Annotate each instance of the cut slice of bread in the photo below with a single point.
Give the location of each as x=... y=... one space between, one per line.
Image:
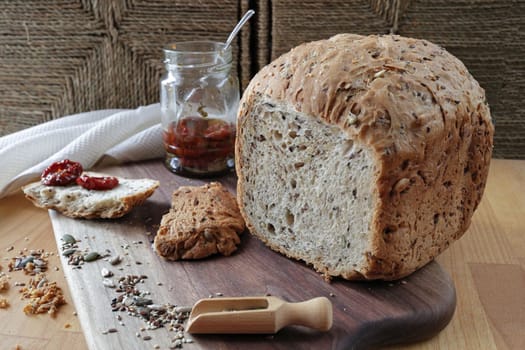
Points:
x=77 y=202
x=202 y=221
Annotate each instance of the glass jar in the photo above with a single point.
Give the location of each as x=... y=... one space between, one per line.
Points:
x=199 y=100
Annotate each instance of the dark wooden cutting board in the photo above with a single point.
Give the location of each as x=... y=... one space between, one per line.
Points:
x=366 y=314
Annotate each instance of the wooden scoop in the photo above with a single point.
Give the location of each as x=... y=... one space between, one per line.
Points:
x=258 y=315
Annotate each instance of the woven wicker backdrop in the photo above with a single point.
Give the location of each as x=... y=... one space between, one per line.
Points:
x=66 y=56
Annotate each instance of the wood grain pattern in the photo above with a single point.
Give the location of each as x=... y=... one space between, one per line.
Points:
x=365 y=314
x=494 y=238
x=22 y=227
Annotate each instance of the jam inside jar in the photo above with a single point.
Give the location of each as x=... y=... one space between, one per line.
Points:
x=200 y=146
x=199 y=100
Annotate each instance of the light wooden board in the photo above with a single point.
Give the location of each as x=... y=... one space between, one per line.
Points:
x=365 y=314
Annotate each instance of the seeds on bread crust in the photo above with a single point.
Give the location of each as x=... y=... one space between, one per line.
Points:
x=202 y=221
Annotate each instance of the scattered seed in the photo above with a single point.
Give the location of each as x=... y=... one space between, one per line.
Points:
x=92 y=256
x=115 y=260
x=112 y=330
x=146 y=337
x=68 y=252
x=68 y=239
x=182 y=309
x=23 y=262
x=10 y=249
x=179 y=335
x=380 y=73
x=105 y=272
x=142 y=301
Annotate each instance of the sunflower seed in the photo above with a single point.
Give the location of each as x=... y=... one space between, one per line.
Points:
x=182 y=309
x=108 y=283
x=115 y=260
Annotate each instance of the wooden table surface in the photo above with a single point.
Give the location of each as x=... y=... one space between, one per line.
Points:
x=487 y=266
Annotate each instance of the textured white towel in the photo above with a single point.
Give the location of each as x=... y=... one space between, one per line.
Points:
x=123 y=135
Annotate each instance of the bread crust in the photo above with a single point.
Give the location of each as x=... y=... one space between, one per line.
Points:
x=202 y=221
x=424 y=117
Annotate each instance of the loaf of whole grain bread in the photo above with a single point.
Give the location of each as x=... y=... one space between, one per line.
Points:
x=364 y=156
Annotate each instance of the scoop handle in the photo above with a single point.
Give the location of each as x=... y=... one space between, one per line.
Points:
x=315 y=313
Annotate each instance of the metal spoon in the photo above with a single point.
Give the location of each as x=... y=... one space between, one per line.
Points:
x=238 y=27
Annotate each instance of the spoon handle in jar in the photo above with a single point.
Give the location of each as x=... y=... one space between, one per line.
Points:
x=238 y=27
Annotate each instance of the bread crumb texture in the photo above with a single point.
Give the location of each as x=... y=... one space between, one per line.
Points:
x=364 y=156
x=78 y=202
x=203 y=220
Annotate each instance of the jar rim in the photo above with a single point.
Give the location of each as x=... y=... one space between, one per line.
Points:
x=182 y=46
x=197 y=53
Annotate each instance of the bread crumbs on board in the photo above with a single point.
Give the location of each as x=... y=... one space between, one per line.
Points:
x=44 y=296
x=4 y=282
x=4 y=303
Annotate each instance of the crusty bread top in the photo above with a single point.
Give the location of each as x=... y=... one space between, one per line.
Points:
x=383 y=90
x=418 y=108
x=77 y=202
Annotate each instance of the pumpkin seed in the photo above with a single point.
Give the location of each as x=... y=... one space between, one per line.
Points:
x=68 y=239
x=92 y=256
x=68 y=252
x=22 y=262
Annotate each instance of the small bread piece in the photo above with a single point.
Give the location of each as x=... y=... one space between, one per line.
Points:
x=77 y=202
x=202 y=221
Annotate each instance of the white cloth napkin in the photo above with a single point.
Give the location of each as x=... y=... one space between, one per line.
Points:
x=119 y=135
